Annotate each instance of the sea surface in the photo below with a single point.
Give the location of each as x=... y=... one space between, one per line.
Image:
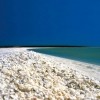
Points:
x=84 y=54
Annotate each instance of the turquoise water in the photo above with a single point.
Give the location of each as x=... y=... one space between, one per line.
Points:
x=84 y=54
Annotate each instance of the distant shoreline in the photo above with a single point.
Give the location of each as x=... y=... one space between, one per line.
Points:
x=91 y=70
x=82 y=54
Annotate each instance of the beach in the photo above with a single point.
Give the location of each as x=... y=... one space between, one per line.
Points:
x=27 y=75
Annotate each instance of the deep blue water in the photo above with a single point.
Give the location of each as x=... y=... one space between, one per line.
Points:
x=85 y=54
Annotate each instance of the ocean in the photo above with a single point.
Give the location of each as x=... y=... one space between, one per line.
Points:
x=85 y=54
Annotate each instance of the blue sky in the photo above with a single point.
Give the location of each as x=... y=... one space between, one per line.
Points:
x=50 y=22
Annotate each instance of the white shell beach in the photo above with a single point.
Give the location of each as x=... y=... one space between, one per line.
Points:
x=27 y=75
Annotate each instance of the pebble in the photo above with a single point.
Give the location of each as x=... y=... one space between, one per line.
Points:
x=27 y=75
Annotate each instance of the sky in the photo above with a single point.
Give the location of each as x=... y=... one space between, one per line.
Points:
x=50 y=22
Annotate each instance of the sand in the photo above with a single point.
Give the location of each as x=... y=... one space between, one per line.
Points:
x=27 y=75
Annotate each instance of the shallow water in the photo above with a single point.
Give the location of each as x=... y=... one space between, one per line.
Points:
x=84 y=54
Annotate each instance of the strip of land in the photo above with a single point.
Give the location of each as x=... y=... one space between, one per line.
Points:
x=27 y=75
